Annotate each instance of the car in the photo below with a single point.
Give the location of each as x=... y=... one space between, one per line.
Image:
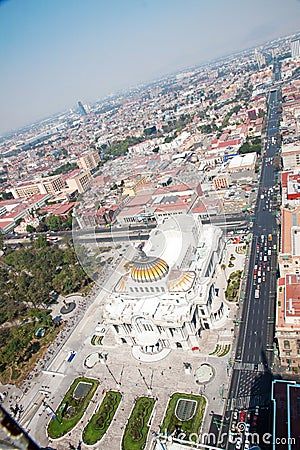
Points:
x=254 y=421
x=233 y=426
x=242 y=416
x=256 y=412
x=255 y=367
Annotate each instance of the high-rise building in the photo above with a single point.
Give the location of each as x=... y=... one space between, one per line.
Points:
x=79 y=180
x=295 y=48
x=89 y=160
x=82 y=110
x=47 y=185
x=260 y=59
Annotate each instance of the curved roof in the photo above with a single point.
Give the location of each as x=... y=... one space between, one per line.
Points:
x=181 y=281
x=148 y=269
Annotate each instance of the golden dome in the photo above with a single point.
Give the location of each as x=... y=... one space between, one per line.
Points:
x=149 y=269
x=181 y=281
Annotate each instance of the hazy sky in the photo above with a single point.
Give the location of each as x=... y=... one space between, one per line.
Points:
x=56 y=52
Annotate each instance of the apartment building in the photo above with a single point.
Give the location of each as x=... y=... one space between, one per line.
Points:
x=78 y=180
x=289 y=255
x=288 y=321
x=291 y=156
x=48 y=185
x=89 y=160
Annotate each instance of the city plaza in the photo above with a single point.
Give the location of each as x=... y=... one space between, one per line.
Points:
x=184 y=311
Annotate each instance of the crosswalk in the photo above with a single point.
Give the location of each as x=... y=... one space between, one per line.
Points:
x=249 y=366
x=251 y=386
x=247 y=402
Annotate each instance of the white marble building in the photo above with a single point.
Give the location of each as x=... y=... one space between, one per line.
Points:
x=167 y=297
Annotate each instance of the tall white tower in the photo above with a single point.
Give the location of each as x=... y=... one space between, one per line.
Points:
x=295 y=48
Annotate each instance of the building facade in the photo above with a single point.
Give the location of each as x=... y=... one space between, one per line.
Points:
x=288 y=321
x=79 y=180
x=167 y=296
x=48 y=185
x=291 y=156
x=295 y=48
x=89 y=160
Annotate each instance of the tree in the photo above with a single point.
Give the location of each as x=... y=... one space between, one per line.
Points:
x=6 y=195
x=248 y=147
x=65 y=168
x=41 y=242
x=54 y=222
x=42 y=227
x=30 y=229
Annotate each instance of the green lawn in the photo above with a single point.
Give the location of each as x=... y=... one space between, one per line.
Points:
x=170 y=421
x=135 y=434
x=71 y=410
x=100 y=421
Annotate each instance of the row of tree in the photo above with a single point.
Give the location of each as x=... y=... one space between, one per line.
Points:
x=29 y=275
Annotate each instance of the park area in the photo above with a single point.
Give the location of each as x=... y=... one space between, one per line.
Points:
x=233 y=286
x=135 y=434
x=184 y=414
x=72 y=407
x=101 y=420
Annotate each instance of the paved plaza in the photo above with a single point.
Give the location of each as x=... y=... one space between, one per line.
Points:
x=119 y=370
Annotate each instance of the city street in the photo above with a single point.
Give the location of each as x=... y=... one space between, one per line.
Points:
x=252 y=374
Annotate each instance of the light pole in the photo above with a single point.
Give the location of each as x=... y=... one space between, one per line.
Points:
x=112 y=375
x=144 y=380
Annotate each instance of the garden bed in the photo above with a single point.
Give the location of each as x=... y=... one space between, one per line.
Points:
x=96 y=340
x=71 y=408
x=135 y=434
x=172 y=424
x=100 y=421
x=233 y=286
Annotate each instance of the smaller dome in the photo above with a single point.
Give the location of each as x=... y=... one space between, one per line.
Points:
x=181 y=281
x=149 y=269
